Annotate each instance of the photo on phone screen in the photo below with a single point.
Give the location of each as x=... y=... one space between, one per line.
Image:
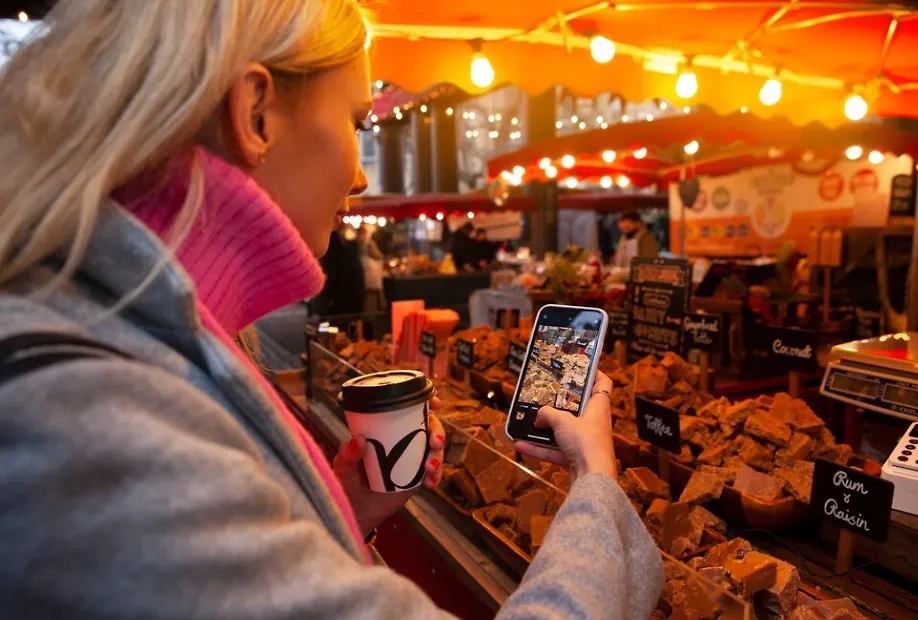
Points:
x=558 y=370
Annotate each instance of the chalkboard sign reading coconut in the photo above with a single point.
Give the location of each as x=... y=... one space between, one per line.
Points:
x=792 y=349
x=659 y=294
x=852 y=499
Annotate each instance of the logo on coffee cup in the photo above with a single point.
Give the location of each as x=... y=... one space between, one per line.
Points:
x=388 y=460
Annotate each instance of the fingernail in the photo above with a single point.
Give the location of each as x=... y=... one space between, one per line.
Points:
x=441 y=438
x=355 y=445
x=435 y=463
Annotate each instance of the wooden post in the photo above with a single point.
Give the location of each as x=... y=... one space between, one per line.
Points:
x=844 y=558
x=663 y=464
x=358 y=327
x=621 y=353
x=508 y=319
x=793 y=383
x=704 y=361
x=826 y=295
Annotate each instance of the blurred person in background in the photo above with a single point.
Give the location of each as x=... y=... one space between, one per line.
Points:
x=486 y=251
x=346 y=292
x=172 y=173
x=636 y=241
x=371 y=260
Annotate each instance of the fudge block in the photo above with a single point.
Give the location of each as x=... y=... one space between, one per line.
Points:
x=805 y=421
x=735 y=415
x=779 y=597
x=685 y=456
x=462 y=483
x=702 y=488
x=562 y=480
x=797 y=483
x=654 y=514
x=472 y=450
x=499 y=514
x=756 y=484
x=840 y=454
x=538 y=528
x=768 y=429
x=751 y=573
x=676 y=367
x=714 y=573
x=696 y=563
x=727 y=474
x=755 y=454
x=494 y=481
x=694 y=431
x=529 y=505
x=678 y=524
x=650 y=380
x=800 y=447
x=708 y=519
x=715 y=453
x=726 y=551
x=714 y=409
x=500 y=441
x=626 y=428
x=645 y=486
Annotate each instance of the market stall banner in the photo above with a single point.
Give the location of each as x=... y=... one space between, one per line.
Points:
x=753 y=212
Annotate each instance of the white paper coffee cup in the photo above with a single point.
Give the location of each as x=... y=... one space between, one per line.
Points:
x=390 y=410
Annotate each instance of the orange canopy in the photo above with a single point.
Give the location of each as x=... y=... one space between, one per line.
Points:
x=822 y=50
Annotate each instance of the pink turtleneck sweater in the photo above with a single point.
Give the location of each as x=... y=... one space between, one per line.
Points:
x=246 y=260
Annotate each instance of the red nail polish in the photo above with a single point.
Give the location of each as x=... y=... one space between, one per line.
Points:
x=355 y=445
x=441 y=438
x=435 y=463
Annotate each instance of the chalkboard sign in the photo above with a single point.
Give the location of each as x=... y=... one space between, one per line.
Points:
x=515 y=358
x=867 y=323
x=658 y=425
x=702 y=332
x=557 y=366
x=852 y=499
x=618 y=325
x=502 y=317
x=428 y=344
x=791 y=349
x=465 y=353
x=902 y=196
x=659 y=294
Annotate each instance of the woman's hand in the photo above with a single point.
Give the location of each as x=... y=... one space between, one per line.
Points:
x=373 y=508
x=584 y=442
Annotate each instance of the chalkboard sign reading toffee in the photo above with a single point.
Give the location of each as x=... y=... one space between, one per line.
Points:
x=852 y=499
x=658 y=425
x=465 y=353
x=659 y=294
x=428 y=344
x=515 y=358
x=792 y=349
x=702 y=332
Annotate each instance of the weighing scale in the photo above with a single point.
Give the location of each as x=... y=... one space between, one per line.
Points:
x=881 y=374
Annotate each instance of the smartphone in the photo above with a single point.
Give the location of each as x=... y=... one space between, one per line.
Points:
x=559 y=368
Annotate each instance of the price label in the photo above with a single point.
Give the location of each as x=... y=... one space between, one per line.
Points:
x=515 y=358
x=852 y=500
x=658 y=425
x=465 y=353
x=702 y=332
x=428 y=345
x=792 y=349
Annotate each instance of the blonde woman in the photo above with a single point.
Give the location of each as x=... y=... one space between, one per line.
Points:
x=172 y=169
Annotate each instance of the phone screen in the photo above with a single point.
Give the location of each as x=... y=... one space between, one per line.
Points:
x=560 y=362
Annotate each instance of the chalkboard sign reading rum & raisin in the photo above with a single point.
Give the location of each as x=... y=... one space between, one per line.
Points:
x=658 y=425
x=515 y=358
x=659 y=294
x=852 y=499
x=465 y=353
x=702 y=332
x=792 y=349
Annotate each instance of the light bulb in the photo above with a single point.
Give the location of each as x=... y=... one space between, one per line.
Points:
x=855 y=108
x=482 y=72
x=771 y=91
x=744 y=109
x=687 y=84
x=567 y=161
x=514 y=121
x=471 y=215
x=691 y=148
x=623 y=181
x=23 y=16
x=571 y=182
x=371 y=220
x=875 y=157
x=854 y=152
x=559 y=124
x=608 y=156
x=606 y=182
x=381 y=222
x=422 y=217
x=376 y=129
x=551 y=172
x=518 y=171
x=440 y=217
x=449 y=111
x=424 y=108
x=602 y=49
x=641 y=153
x=544 y=163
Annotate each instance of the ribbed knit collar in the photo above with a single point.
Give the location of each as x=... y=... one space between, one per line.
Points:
x=242 y=252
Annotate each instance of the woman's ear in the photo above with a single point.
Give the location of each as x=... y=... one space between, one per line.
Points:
x=251 y=122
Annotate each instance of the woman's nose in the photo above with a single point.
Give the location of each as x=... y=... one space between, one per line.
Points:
x=361 y=183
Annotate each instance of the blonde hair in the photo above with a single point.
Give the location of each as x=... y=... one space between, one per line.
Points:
x=115 y=89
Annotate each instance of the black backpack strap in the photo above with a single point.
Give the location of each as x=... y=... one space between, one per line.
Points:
x=24 y=353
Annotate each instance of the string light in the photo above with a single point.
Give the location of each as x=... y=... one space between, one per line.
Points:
x=379 y=83
x=514 y=121
x=854 y=152
x=506 y=175
x=602 y=49
x=663 y=105
x=482 y=72
x=398 y=115
x=771 y=92
x=449 y=111
x=691 y=148
x=875 y=157
x=575 y=119
x=518 y=171
x=582 y=125
x=491 y=118
x=650 y=118
x=498 y=116
x=686 y=109
x=604 y=126
x=471 y=215
x=422 y=217
x=606 y=182
x=567 y=161
x=641 y=153
x=440 y=217
x=381 y=222
x=687 y=84
x=423 y=108
x=625 y=118
x=571 y=182
x=608 y=156
x=376 y=129
x=493 y=134
x=23 y=16
x=855 y=108
x=559 y=124
x=371 y=220
x=374 y=118
x=551 y=172
x=544 y=163
x=744 y=109
x=623 y=181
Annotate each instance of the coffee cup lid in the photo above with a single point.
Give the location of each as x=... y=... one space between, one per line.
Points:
x=385 y=391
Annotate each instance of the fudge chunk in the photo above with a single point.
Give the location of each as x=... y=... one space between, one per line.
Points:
x=678 y=524
x=702 y=488
x=715 y=453
x=694 y=431
x=797 y=483
x=458 y=480
x=538 y=528
x=654 y=514
x=755 y=454
x=714 y=573
x=727 y=474
x=500 y=441
x=768 y=429
x=805 y=421
x=756 y=484
x=645 y=485
x=472 y=450
x=779 y=597
x=494 y=482
x=531 y=504
x=650 y=380
x=708 y=519
x=726 y=551
x=752 y=573
x=799 y=448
